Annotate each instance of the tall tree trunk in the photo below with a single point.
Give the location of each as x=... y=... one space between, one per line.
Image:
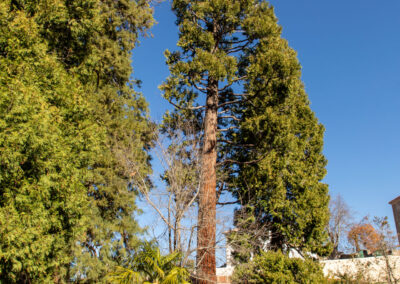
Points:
x=206 y=264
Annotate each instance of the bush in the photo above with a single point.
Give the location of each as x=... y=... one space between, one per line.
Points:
x=148 y=265
x=276 y=267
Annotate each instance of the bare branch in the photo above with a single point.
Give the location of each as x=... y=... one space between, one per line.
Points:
x=228 y=203
x=240 y=95
x=231 y=83
x=235 y=42
x=235 y=144
x=145 y=194
x=227 y=129
x=230 y=117
x=187 y=108
x=237 y=48
x=201 y=89
x=227 y=161
x=229 y=103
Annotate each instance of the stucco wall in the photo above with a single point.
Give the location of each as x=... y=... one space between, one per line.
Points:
x=370 y=269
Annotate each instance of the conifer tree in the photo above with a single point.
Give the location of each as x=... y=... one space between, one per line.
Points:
x=255 y=120
x=47 y=143
x=97 y=48
x=278 y=178
x=89 y=42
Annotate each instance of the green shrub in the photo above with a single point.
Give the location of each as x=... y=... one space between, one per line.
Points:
x=148 y=266
x=276 y=267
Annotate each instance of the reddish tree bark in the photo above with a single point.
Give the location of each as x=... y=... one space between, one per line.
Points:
x=206 y=264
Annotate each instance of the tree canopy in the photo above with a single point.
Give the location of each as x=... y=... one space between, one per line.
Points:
x=72 y=130
x=75 y=135
x=47 y=142
x=240 y=81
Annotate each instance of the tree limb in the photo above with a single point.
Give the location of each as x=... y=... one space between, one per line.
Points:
x=230 y=116
x=187 y=108
x=227 y=129
x=230 y=84
x=235 y=144
x=243 y=163
x=228 y=203
x=228 y=103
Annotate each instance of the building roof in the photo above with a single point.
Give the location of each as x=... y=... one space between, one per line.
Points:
x=397 y=199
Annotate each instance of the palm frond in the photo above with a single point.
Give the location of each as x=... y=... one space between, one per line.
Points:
x=124 y=275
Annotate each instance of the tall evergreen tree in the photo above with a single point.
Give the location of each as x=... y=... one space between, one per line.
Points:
x=97 y=48
x=278 y=178
x=256 y=117
x=47 y=142
x=90 y=42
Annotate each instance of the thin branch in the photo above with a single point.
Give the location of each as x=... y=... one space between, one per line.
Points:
x=228 y=203
x=233 y=81
x=229 y=103
x=188 y=250
x=223 y=111
x=235 y=42
x=243 y=163
x=235 y=144
x=201 y=89
x=237 y=48
x=187 y=108
x=231 y=117
x=240 y=95
x=144 y=192
x=226 y=129
x=196 y=15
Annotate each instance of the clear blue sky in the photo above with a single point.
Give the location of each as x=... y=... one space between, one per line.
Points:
x=350 y=54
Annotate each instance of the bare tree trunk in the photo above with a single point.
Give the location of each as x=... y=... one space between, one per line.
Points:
x=177 y=235
x=206 y=264
x=169 y=229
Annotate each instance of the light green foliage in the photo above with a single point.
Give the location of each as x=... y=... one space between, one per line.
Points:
x=271 y=146
x=73 y=134
x=105 y=70
x=94 y=39
x=148 y=266
x=276 y=267
x=47 y=142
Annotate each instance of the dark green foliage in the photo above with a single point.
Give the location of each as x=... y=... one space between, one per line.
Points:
x=105 y=70
x=269 y=141
x=276 y=267
x=278 y=176
x=72 y=134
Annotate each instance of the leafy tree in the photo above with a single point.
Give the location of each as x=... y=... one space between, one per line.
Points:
x=93 y=39
x=47 y=142
x=148 y=265
x=89 y=44
x=256 y=122
x=276 y=267
x=364 y=236
x=277 y=176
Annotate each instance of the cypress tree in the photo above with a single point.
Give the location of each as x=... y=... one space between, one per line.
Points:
x=89 y=44
x=97 y=47
x=47 y=143
x=278 y=179
x=232 y=53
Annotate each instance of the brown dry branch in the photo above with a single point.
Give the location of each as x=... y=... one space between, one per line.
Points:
x=178 y=152
x=339 y=223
